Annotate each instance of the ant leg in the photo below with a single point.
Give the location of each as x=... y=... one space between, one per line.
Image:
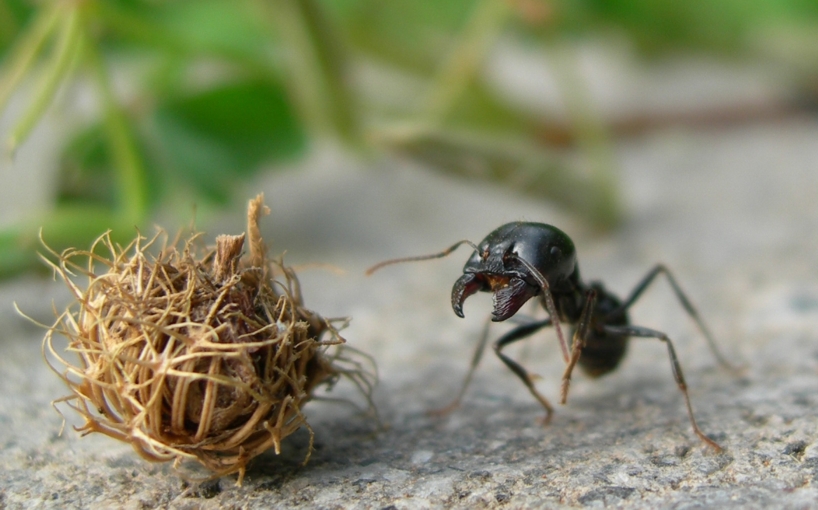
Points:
x=512 y=336
x=578 y=342
x=686 y=304
x=638 y=331
x=476 y=357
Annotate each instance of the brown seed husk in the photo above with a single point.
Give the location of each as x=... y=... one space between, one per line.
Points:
x=208 y=358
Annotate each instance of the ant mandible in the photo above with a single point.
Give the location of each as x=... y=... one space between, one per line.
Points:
x=524 y=260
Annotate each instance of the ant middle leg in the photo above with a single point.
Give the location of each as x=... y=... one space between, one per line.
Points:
x=512 y=336
x=686 y=304
x=642 y=332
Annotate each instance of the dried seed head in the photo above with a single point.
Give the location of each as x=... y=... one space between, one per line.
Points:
x=208 y=358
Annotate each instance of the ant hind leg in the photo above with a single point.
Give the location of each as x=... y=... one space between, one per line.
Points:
x=642 y=332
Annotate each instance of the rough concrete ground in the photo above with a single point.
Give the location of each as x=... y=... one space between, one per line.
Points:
x=732 y=212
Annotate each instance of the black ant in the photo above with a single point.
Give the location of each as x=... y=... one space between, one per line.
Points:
x=523 y=260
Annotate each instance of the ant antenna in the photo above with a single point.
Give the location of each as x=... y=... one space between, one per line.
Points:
x=420 y=257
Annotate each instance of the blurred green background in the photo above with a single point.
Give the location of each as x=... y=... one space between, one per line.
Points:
x=194 y=98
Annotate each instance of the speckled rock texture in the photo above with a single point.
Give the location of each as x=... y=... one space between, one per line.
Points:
x=734 y=214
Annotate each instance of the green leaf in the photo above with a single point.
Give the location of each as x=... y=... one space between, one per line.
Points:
x=198 y=26
x=14 y=14
x=211 y=139
x=481 y=109
x=86 y=173
x=712 y=25
x=233 y=26
x=85 y=170
x=72 y=226
x=509 y=161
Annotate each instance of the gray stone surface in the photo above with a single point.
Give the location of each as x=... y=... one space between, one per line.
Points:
x=732 y=212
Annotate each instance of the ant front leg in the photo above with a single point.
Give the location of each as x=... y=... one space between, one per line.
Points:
x=578 y=342
x=475 y=360
x=525 y=330
x=512 y=336
x=638 y=331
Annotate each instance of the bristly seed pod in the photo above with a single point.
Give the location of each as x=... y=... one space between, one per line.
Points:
x=208 y=358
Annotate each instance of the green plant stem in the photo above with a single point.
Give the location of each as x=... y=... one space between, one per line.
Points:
x=315 y=67
x=26 y=49
x=481 y=31
x=68 y=44
x=131 y=185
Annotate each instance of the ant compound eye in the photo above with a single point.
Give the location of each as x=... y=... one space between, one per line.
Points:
x=556 y=252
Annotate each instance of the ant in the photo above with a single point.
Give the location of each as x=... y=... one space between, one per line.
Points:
x=524 y=260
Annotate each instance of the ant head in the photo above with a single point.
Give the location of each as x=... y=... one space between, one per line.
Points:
x=517 y=262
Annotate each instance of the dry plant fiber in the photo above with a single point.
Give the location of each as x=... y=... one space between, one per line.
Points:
x=208 y=359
